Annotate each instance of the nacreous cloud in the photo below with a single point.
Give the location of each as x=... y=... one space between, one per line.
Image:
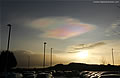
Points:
x=61 y=27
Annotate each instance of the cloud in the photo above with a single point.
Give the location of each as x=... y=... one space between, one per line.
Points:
x=36 y=59
x=61 y=27
x=97 y=51
x=68 y=31
x=77 y=48
x=23 y=55
x=43 y=22
x=92 y=45
x=113 y=29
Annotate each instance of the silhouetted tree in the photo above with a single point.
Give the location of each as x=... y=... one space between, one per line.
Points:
x=7 y=60
x=104 y=61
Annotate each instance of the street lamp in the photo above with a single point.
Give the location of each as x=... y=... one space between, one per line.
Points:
x=51 y=57
x=9 y=25
x=44 y=55
x=6 y=74
x=112 y=56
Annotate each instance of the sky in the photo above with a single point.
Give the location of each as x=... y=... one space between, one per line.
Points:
x=80 y=31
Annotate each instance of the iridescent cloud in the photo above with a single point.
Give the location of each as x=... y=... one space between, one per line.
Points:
x=61 y=27
x=68 y=31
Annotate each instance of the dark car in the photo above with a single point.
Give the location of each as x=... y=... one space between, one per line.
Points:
x=110 y=76
x=44 y=75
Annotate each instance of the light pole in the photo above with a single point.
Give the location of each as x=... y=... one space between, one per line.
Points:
x=44 y=55
x=112 y=56
x=6 y=74
x=51 y=57
x=9 y=25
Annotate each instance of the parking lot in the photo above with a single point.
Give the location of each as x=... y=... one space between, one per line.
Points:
x=100 y=74
x=62 y=74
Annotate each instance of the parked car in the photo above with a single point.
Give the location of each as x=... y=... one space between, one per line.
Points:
x=107 y=74
x=110 y=76
x=28 y=75
x=83 y=73
x=8 y=74
x=44 y=75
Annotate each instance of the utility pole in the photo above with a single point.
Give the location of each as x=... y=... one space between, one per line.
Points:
x=44 y=55
x=112 y=56
x=51 y=58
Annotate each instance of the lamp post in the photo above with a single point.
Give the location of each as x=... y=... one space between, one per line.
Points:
x=9 y=25
x=44 y=55
x=51 y=57
x=6 y=66
x=112 y=56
